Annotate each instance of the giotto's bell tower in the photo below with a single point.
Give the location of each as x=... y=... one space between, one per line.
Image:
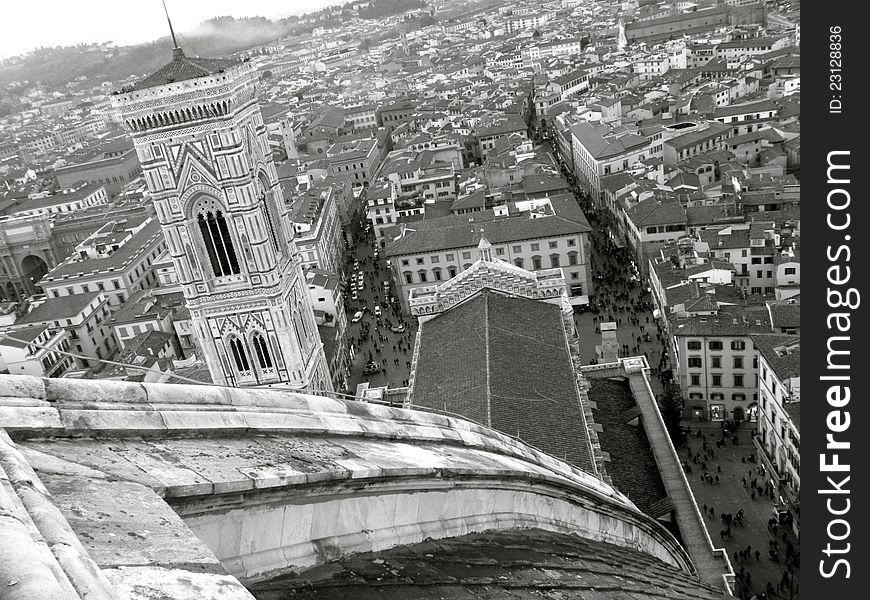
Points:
x=202 y=144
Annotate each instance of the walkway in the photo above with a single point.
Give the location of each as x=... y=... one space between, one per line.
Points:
x=711 y=563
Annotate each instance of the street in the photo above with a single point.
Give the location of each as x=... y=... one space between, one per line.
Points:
x=371 y=336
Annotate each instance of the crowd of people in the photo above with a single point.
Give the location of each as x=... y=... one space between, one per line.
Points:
x=621 y=296
x=781 y=549
x=374 y=339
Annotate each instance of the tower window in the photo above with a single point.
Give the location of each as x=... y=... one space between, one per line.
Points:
x=268 y=206
x=262 y=350
x=218 y=243
x=240 y=356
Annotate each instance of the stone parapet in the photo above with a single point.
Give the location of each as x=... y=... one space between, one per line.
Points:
x=152 y=486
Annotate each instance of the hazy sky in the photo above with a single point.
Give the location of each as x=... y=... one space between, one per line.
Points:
x=29 y=24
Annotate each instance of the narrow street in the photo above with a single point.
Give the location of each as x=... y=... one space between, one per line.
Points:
x=372 y=336
x=620 y=296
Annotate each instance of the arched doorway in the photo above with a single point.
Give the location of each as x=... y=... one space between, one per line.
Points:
x=33 y=269
x=11 y=293
x=739 y=414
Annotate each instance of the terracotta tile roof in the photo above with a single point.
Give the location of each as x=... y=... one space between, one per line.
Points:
x=503 y=362
x=463 y=231
x=773 y=346
x=632 y=466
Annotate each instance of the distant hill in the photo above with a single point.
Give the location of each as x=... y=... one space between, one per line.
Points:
x=381 y=9
x=217 y=37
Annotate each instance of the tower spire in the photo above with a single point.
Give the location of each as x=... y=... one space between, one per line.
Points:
x=175 y=48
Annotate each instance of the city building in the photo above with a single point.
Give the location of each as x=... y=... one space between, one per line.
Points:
x=116 y=259
x=85 y=318
x=317 y=228
x=112 y=164
x=540 y=234
x=779 y=425
x=598 y=151
x=37 y=350
x=716 y=364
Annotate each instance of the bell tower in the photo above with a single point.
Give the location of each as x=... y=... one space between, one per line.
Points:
x=204 y=153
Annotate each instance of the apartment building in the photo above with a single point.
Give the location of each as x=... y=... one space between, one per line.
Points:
x=317 y=229
x=85 y=317
x=779 y=425
x=116 y=260
x=542 y=234
x=37 y=350
x=598 y=151
x=716 y=364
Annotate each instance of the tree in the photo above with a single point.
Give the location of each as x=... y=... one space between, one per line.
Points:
x=671 y=406
x=536 y=33
x=365 y=45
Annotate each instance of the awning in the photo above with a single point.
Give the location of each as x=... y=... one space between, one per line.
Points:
x=579 y=300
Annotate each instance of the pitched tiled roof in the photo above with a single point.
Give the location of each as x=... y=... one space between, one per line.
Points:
x=632 y=466
x=600 y=147
x=54 y=309
x=654 y=212
x=785 y=314
x=784 y=364
x=184 y=67
x=25 y=334
x=499 y=565
x=503 y=362
x=463 y=231
x=722 y=324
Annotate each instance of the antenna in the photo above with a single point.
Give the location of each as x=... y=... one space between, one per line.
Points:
x=171 y=31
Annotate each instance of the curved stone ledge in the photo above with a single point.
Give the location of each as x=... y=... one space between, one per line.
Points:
x=272 y=480
x=259 y=540
x=116 y=409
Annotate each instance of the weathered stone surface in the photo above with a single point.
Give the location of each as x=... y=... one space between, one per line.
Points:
x=22 y=386
x=153 y=583
x=41 y=419
x=124 y=523
x=84 y=390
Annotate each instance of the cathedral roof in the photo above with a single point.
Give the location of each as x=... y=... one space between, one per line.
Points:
x=184 y=67
x=500 y=565
x=498 y=359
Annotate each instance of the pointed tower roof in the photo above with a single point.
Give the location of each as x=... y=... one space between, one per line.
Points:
x=484 y=248
x=184 y=67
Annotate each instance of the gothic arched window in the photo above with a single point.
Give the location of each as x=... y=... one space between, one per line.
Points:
x=240 y=355
x=262 y=349
x=217 y=241
x=267 y=203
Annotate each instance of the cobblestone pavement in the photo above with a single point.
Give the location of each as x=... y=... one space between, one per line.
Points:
x=731 y=463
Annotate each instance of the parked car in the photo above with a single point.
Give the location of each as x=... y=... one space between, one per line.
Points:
x=371 y=368
x=354 y=295
x=357 y=316
x=377 y=310
x=398 y=329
